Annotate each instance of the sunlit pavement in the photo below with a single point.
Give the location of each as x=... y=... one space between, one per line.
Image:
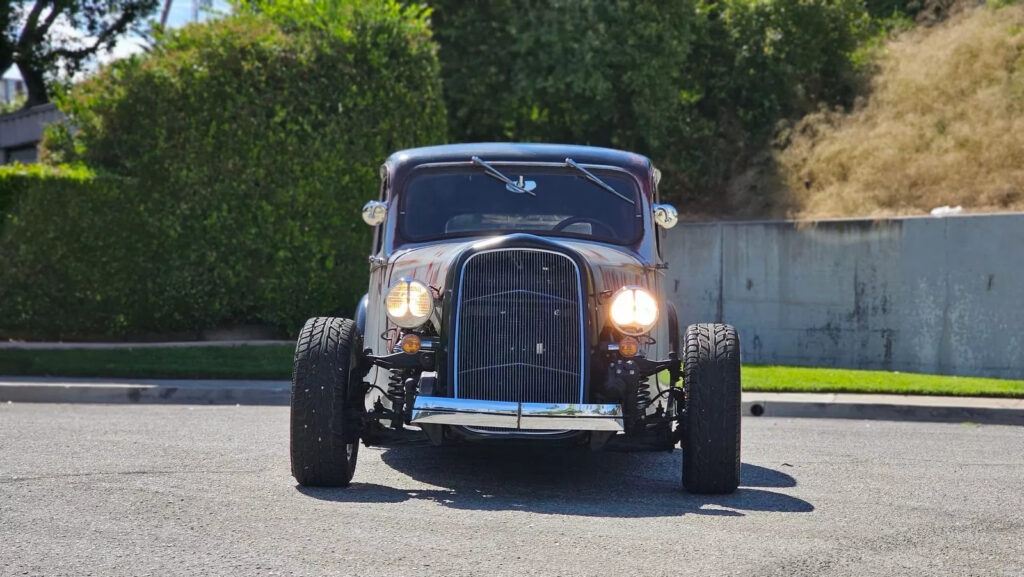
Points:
x=186 y=490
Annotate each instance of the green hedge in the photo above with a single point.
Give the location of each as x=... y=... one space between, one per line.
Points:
x=246 y=147
x=66 y=252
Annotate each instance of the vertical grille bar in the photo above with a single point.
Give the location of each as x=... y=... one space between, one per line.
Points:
x=518 y=332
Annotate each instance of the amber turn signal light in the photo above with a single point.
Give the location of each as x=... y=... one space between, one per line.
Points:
x=629 y=347
x=411 y=344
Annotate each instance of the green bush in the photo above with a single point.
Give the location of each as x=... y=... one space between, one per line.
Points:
x=17 y=179
x=760 y=62
x=10 y=188
x=694 y=85
x=248 y=145
x=778 y=58
x=68 y=252
x=587 y=71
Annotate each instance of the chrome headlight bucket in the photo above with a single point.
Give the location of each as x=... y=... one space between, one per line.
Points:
x=409 y=303
x=634 y=310
x=375 y=212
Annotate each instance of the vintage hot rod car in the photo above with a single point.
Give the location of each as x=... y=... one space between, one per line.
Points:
x=517 y=294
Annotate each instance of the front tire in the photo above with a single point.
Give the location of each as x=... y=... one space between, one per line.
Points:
x=324 y=438
x=711 y=435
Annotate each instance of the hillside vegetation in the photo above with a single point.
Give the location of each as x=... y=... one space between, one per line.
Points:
x=943 y=124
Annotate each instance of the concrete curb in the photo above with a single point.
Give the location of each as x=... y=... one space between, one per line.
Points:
x=986 y=410
x=995 y=411
x=144 y=391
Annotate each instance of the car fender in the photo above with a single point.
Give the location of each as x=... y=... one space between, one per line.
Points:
x=361 y=315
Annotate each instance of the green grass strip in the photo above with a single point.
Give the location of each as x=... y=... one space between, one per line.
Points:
x=808 y=380
x=242 y=362
x=275 y=362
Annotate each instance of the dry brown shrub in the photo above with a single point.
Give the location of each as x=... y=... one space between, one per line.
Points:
x=944 y=125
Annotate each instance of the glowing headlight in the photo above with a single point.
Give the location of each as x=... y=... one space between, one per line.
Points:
x=409 y=303
x=634 y=310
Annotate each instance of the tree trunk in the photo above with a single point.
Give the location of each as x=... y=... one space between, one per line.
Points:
x=35 y=84
x=165 y=13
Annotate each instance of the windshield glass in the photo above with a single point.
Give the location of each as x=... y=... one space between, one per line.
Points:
x=438 y=205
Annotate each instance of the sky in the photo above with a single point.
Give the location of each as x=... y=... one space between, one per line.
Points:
x=180 y=14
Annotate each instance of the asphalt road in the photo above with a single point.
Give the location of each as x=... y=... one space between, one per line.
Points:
x=180 y=490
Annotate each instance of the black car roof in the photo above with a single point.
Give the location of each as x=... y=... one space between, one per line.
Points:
x=403 y=160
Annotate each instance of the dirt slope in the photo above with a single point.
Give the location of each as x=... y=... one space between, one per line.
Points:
x=943 y=125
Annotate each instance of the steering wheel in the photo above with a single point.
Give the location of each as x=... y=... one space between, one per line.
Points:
x=578 y=219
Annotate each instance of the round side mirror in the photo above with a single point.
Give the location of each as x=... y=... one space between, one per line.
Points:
x=665 y=215
x=374 y=212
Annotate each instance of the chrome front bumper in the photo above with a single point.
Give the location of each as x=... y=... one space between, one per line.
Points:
x=522 y=416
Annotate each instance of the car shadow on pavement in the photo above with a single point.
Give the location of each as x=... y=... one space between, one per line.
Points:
x=564 y=482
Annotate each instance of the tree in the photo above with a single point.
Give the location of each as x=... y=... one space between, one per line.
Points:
x=43 y=37
x=601 y=72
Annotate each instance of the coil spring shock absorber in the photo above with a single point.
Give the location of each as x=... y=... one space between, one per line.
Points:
x=643 y=397
x=396 y=394
x=636 y=394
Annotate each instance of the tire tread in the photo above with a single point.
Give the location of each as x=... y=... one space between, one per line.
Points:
x=711 y=437
x=322 y=366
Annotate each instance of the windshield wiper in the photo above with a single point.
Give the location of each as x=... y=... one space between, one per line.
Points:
x=594 y=178
x=495 y=173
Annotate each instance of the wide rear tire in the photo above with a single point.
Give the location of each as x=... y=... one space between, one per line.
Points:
x=324 y=441
x=711 y=431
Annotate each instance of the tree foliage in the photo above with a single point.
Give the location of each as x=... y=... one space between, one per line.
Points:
x=44 y=37
x=759 y=62
x=583 y=71
x=693 y=85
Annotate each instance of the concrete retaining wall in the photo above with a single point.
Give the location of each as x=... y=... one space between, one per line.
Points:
x=931 y=295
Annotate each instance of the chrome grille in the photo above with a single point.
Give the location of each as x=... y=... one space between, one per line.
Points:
x=518 y=331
